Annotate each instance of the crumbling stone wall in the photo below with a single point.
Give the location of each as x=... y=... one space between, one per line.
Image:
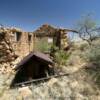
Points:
x=14 y=41
x=56 y=36
x=21 y=43
x=61 y=39
x=25 y=45
x=6 y=50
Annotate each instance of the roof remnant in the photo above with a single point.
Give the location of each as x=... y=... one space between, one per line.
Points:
x=47 y=30
x=37 y=55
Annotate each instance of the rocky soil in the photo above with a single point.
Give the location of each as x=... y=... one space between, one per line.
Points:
x=76 y=86
x=73 y=87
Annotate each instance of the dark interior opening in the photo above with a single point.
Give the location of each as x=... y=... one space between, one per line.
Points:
x=2 y=36
x=33 y=69
x=29 y=37
x=18 y=36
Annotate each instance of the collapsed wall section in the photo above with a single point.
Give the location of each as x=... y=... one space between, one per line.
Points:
x=24 y=45
x=7 y=53
x=15 y=42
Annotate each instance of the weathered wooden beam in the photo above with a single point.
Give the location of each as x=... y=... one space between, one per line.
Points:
x=41 y=79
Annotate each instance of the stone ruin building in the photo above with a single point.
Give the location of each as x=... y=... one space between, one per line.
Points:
x=14 y=41
x=22 y=42
x=52 y=36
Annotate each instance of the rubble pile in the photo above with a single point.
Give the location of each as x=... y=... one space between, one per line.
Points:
x=8 y=67
x=7 y=54
x=6 y=51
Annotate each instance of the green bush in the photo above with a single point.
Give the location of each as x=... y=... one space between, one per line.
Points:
x=93 y=59
x=42 y=45
x=83 y=47
x=61 y=57
x=93 y=55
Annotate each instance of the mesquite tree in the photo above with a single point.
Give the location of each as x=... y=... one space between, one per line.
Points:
x=87 y=29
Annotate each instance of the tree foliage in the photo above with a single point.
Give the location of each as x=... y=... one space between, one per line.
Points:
x=87 y=29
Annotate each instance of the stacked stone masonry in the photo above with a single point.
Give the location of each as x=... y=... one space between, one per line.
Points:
x=22 y=43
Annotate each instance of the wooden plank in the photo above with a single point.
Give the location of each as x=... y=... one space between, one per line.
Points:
x=41 y=79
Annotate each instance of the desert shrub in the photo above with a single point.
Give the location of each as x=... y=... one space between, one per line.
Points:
x=53 y=50
x=61 y=57
x=94 y=72
x=83 y=47
x=92 y=56
x=42 y=46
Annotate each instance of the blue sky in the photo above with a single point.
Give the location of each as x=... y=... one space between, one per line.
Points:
x=30 y=14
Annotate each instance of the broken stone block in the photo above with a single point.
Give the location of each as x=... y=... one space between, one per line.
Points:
x=52 y=81
x=25 y=92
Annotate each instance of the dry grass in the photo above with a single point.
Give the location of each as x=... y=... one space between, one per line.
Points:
x=79 y=85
